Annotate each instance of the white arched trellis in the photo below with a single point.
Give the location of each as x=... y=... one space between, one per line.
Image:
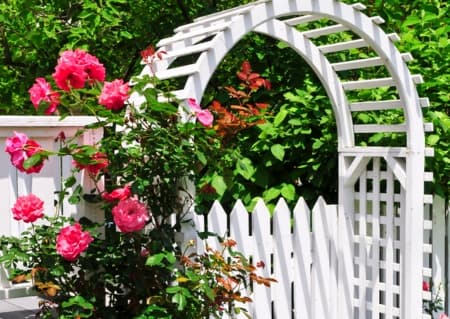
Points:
x=381 y=189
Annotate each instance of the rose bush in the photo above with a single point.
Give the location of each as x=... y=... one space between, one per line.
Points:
x=130 y=265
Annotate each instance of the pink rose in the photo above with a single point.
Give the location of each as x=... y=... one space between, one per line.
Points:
x=75 y=67
x=99 y=162
x=425 y=286
x=20 y=148
x=118 y=194
x=114 y=94
x=72 y=241
x=28 y=208
x=95 y=71
x=443 y=316
x=69 y=76
x=41 y=91
x=130 y=215
x=205 y=117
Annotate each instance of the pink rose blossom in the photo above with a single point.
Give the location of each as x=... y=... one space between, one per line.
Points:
x=114 y=95
x=69 y=76
x=28 y=208
x=443 y=316
x=41 y=91
x=130 y=215
x=118 y=194
x=75 y=67
x=425 y=286
x=72 y=241
x=91 y=65
x=205 y=117
x=20 y=148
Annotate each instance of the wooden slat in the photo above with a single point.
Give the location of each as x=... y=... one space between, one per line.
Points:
x=311 y=34
x=374 y=83
x=353 y=44
x=179 y=95
x=302 y=260
x=217 y=224
x=310 y=18
x=324 y=31
x=388 y=237
x=375 y=247
x=282 y=256
x=206 y=31
x=364 y=63
x=382 y=105
x=362 y=232
x=188 y=50
x=320 y=279
x=381 y=151
x=263 y=251
x=177 y=72
x=301 y=19
x=397 y=128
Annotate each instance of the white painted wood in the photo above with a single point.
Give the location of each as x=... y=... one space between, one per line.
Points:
x=263 y=252
x=398 y=167
x=438 y=257
x=382 y=105
x=177 y=72
x=203 y=32
x=376 y=151
x=375 y=245
x=282 y=238
x=374 y=83
x=302 y=260
x=376 y=128
x=364 y=63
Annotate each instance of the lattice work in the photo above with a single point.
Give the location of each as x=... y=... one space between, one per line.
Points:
x=378 y=219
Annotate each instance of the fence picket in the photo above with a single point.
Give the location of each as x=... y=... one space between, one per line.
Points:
x=263 y=243
x=302 y=260
x=320 y=277
x=282 y=260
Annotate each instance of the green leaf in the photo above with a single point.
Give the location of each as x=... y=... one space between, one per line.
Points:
x=279 y=118
x=288 y=192
x=244 y=167
x=432 y=139
x=219 y=184
x=278 y=151
x=411 y=20
x=32 y=161
x=179 y=299
x=271 y=194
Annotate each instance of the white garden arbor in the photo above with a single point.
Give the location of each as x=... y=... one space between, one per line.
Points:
x=380 y=214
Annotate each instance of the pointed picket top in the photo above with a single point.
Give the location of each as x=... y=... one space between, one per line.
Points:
x=239 y=228
x=217 y=220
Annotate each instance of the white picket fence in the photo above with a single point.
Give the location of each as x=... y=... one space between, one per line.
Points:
x=298 y=249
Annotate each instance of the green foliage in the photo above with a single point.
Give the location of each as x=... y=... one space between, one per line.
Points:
x=33 y=32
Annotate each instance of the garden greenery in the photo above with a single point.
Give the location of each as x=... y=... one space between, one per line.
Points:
x=130 y=265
